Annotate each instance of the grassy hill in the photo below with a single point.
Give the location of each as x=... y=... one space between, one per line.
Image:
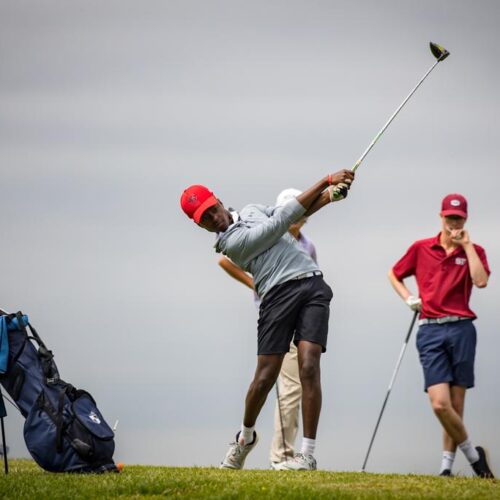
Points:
x=27 y=480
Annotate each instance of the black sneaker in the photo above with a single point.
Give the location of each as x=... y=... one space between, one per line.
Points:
x=446 y=472
x=481 y=467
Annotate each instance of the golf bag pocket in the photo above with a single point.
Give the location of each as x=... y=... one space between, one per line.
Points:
x=90 y=434
x=72 y=437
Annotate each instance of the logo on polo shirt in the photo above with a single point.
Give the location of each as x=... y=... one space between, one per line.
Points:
x=460 y=261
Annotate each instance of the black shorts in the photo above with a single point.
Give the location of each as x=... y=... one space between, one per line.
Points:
x=296 y=309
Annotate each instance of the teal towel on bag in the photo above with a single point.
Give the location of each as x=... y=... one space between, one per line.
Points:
x=4 y=344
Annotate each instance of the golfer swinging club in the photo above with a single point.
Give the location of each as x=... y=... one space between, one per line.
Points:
x=295 y=299
x=288 y=389
x=445 y=268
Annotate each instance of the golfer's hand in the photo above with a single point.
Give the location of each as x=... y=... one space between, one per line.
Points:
x=341 y=183
x=338 y=192
x=414 y=303
x=460 y=236
x=342 y=176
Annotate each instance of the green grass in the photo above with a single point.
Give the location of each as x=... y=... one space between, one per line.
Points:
x=27 y=480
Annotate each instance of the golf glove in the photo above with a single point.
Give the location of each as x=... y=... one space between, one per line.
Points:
x=338 y=192
x=414 y=303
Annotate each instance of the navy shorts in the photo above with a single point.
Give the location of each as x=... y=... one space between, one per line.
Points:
x=447 y=353
x=296 y=309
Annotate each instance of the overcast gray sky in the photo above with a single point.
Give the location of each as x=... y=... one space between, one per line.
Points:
x=109 y=109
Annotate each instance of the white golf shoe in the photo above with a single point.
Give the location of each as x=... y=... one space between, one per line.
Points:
x=300 y=462
x=278 y=465
x=236 y=455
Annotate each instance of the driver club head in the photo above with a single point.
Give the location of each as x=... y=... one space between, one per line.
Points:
x=440 y=53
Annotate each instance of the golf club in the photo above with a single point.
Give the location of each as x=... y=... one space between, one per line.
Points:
x=393 y=378
x=440 y=53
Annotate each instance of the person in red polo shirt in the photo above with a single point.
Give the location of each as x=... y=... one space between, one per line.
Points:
x=445 y=268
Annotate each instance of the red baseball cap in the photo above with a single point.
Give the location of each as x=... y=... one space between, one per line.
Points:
x=195 y=200
x=454 y=204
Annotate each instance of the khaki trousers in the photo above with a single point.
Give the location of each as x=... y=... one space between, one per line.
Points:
x=286 y=414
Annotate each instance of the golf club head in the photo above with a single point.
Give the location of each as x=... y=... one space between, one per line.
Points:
x=440 y=53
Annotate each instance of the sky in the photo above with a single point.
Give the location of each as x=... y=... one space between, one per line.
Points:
x=109 y=109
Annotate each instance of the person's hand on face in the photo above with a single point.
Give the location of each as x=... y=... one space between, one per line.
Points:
x=454 y=226
x=460 y=236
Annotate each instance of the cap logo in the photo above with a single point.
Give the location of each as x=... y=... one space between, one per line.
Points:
x=455 y=203
x=193 y=198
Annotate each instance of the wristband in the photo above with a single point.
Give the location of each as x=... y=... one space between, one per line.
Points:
x=330 y=179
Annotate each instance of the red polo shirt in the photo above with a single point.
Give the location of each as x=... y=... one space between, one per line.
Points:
x=444 y=281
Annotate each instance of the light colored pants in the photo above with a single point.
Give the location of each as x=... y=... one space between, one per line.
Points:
x=286 y=415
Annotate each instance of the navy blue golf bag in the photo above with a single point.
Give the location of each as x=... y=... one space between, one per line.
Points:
x=64 y=431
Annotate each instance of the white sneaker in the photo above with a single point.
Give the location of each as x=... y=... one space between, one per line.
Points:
x=236 y=455
x=278 y=465
x=300 y=462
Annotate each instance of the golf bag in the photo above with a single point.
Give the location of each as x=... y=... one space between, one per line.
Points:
x=64 y=431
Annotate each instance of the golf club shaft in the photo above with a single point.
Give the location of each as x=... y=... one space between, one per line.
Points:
x=393 y=378
x=377 y=137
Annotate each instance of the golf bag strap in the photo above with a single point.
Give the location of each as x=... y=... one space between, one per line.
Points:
x=56 y=415
x=20 y=322
x=22 y=326
x=48 y=366
x=60 y=420
x=36 y=337
x=46 y=357
x=45 y=354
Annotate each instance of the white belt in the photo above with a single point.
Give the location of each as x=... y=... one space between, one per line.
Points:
x=440 y=321
x=310 y=274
